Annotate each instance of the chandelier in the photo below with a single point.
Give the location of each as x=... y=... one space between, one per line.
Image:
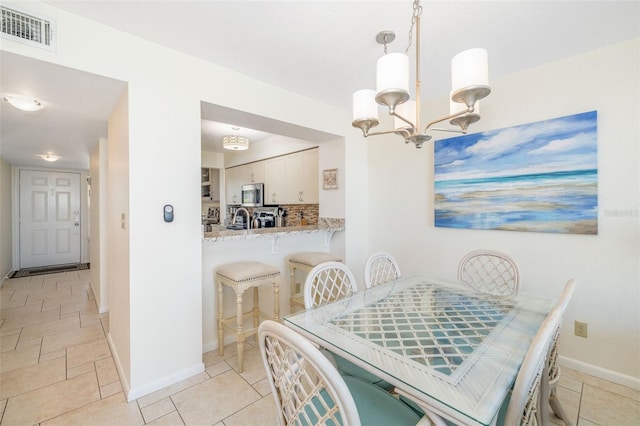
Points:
x=235 y=142
x=469 y=81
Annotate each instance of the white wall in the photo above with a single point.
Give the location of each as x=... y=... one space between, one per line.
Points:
x=6 y=238
x=117 y=244
x=606 y=266
x=155 y=268
x=98 y=233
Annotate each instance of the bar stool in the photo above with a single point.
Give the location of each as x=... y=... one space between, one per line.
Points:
x=305 y=262
x=241 y=276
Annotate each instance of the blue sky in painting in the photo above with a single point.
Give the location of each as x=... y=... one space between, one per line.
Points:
x=559 y=144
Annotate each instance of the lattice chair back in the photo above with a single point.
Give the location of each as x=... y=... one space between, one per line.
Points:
x=379 y=269
x=490 y=272
x=523 y=405
x=553 y=366
x=327 y=282
x=307 y=388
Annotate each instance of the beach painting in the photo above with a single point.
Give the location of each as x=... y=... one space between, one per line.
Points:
x=540 y=177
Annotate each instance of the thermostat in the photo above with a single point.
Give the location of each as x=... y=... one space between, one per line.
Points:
x=168 y=213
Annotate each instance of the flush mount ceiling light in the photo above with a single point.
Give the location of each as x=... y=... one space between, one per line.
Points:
x=49 y=157
x=469 y=81
x=235 y=142
x=23 y=102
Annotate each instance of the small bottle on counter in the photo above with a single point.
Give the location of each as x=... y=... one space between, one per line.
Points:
x=303 y=220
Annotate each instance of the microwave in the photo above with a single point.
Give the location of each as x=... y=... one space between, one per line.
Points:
x=253 y=195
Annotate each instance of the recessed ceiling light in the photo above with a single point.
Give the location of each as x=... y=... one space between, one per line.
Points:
x=49 y=157
x=23 y=102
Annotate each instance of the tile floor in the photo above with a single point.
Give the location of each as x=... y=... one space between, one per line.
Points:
x=56 y=369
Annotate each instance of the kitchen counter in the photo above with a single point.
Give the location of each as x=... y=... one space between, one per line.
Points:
x=328 y=225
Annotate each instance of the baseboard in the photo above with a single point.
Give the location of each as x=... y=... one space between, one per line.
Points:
x=163 y=382
x=6 y=277
x=101 y=309
x=116 y=360
x=133 y=394
x=601 y=373
x=209 y=347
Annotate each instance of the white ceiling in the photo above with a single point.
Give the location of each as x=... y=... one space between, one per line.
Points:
x=322 y=49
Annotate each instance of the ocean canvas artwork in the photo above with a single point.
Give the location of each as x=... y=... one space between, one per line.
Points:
x=540 y=177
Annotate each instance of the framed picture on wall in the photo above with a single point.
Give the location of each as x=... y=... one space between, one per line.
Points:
x=537 y=177
x=330 y=179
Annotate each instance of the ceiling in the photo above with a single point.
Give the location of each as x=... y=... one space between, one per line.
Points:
x=322 y=49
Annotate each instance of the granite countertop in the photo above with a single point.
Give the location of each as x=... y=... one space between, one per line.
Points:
x=324 y=225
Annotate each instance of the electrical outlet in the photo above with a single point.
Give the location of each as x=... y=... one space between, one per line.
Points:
x=580 y=329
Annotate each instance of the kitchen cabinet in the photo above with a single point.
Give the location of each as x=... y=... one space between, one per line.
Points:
x=309 y=191
x=233 y=184
x=210 y=184
x=288 y=179
x=252 y=173
x=274 y=181
x=292 y=178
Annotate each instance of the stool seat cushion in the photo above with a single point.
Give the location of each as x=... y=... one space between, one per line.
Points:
x=314 y=258
x=247 y=271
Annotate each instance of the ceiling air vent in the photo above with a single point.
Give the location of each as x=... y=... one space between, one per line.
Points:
x=28 y=28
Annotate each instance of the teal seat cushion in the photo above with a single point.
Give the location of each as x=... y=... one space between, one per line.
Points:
x=347 y=368
x=377 y=407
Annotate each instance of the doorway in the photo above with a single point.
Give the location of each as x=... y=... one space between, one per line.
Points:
x=49 y=218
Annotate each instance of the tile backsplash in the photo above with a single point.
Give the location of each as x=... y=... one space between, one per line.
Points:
x=310 y=212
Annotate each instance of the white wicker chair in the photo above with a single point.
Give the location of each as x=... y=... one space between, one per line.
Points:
x=553 y=367
x=522 y=408
x=308 y=390
x=327 y=282
x=490 y=272
x=379 y=269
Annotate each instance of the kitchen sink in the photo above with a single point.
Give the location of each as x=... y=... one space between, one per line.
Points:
x=236 y=227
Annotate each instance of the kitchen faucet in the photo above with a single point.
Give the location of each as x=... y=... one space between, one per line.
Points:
x=238 y=210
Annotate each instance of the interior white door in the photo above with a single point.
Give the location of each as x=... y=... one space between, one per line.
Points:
x=49 y=218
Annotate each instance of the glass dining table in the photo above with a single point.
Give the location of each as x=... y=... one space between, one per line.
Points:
x=448 y=348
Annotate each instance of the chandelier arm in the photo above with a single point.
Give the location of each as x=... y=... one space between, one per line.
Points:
x=457 y=114
x=395 y=131
x=395 y=114
x=436 y=129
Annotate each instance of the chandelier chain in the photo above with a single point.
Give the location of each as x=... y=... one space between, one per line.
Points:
x=417 y=11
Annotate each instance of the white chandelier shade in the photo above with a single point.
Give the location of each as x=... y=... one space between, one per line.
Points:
x=470 y=68
x=393 y=72
x=364 y=105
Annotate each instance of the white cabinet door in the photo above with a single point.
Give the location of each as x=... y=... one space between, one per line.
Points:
x=274 y=181
x=301 y=177
x=257 y=172
x=292 y=173
x=310 y=177
x=233 y=186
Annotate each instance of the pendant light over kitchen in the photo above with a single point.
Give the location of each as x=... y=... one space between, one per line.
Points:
x=235 y=142
x=469 y=82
